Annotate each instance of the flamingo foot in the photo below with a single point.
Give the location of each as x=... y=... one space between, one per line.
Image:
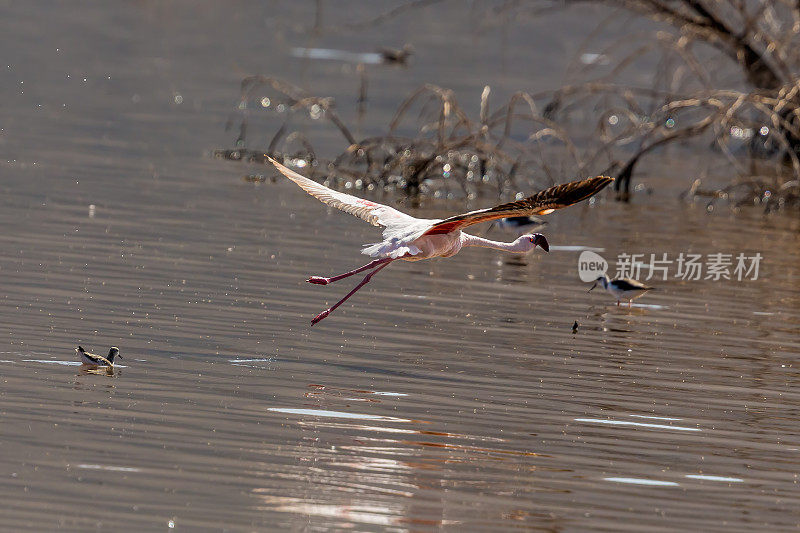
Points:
x=320 y=316
x=381 y=264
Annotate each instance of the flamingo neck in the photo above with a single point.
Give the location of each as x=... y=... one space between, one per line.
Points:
x=519 y=246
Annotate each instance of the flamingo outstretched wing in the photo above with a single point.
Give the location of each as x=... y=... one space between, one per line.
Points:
x=541 y=203
x=373 y=212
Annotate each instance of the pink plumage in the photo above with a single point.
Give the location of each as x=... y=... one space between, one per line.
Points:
x=414 y=239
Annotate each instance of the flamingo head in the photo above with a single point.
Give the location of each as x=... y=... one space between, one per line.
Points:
x=537 y=239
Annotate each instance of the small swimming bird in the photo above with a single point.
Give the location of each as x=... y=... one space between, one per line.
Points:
x=94 y=360
x=622 y=289
x=519 y=225
x=413 y=239
x=393 y=55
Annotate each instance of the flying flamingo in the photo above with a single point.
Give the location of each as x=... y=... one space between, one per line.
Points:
x=414 y=239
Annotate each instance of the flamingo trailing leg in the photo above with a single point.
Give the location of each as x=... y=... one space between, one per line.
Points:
x=414 y=239
x=319 y=280
x=349 y=294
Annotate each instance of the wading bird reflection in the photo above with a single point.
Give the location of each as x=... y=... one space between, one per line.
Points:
x=413 y=239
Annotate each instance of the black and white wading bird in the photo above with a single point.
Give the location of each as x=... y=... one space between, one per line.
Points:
x=622 y=289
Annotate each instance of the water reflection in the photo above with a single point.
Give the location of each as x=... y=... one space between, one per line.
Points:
x=639 y=481
x=334 y=414
x=337 y=55
x=69 y=363
x=54 y=362
x=634 y=424
x=575 y=248
x=110 y=468
x=724 y=479
x=352 y=477
x=346 y=515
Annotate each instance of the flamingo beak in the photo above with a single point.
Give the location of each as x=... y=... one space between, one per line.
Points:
x=593 y=286
x=541 y=241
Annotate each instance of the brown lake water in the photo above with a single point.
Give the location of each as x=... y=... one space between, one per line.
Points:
x=449 y=394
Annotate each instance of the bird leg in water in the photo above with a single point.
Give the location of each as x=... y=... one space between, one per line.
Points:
x=384 y=263
x=319 y=280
